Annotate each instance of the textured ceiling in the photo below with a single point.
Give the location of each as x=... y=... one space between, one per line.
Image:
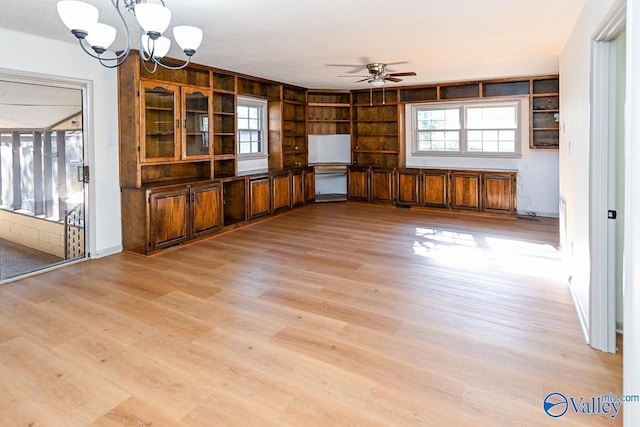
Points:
x=311 y=42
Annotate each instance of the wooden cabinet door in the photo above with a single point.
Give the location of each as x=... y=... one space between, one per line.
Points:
x=382 y=185
x=358 y=183
x=160 y=131
x=465 y=189
x=259 y=197
x=196 y=111
x=168 y=218
x=499 y=194
x=309 y=186
x=297 y=188
x=408 y=187
x=436 y=189
x=206 y=209
x=280 y=192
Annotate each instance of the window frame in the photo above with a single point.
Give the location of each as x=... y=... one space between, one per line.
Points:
x=463 y=143
x=262 y=104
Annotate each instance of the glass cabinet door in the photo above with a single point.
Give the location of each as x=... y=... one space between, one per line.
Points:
x=195 y=138
x=159 y=124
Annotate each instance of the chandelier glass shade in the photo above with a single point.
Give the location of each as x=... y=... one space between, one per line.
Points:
x=95 y=38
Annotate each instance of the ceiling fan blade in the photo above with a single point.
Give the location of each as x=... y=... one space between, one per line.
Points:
x=397 y=63
x=363 y=80
x=393 y=79
x=354 y=68
x=352 y=76
x=407 y=73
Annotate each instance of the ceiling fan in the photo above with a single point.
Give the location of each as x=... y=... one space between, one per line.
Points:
x=378 y=75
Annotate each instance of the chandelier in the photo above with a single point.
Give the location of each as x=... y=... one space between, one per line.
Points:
x=153 y=18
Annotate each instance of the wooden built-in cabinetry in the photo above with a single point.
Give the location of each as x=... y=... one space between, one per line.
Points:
x=375 y=128
x=164 y=126
x=159 y=216
x=294 y=127
x=178 y=158
x=329 y=112
x=224 y=124
x=545 y=112
x=487 y=191
x=178 y=153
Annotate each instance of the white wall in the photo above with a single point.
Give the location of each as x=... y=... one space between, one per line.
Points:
x=537 y=169
x=575 y=127
x=27 y=55
x=253 y=164
x=330 y=148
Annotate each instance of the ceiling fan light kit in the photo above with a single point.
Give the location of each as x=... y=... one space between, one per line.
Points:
x=378 y=75
x=152 y=18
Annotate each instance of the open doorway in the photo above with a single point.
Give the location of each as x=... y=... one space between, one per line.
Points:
x=42 y=176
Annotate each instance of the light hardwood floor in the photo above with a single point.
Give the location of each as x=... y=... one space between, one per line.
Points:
x=330 y=315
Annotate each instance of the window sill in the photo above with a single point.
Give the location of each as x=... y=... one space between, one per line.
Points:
x=242 y=157
x=469 y=155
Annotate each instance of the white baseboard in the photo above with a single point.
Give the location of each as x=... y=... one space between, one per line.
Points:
x=582 y=316
x=106 y=252
x=540 y=213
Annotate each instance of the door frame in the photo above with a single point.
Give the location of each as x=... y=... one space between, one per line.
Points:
x=602 y=298
x=86 y=89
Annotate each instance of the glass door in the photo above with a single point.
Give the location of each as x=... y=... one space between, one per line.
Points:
x=42 y=176
x=195 y=133
x=159 y=124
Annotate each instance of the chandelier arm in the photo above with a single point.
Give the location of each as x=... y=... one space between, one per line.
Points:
x=116 y=65
x=151 y=49
x=169 y=67
x=119 y=58
x=125 y=53
x=144 y=60
x=103 y=61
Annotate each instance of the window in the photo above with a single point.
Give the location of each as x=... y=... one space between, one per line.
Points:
x=252 y=132
x=470 y=129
